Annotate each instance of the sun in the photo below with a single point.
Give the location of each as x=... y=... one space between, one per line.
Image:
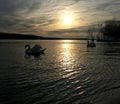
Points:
x=67 y=20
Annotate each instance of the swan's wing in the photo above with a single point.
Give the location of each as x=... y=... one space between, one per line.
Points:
x=36 y=48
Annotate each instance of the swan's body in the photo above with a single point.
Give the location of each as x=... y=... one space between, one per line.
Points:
x=91 y=44
x=35 y=51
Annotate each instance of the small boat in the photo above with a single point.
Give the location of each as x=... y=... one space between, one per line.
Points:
x=36 y=50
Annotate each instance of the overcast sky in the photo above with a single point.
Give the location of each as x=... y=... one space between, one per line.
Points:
x=44 y=17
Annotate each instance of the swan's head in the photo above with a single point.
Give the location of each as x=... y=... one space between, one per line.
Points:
x=27 y=46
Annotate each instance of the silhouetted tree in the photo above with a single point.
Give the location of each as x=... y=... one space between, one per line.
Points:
x=110 y=28
x=91 y=31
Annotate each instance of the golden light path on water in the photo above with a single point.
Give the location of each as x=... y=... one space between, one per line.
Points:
x=67 y=59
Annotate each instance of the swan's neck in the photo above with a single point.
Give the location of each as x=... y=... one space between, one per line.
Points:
x=27 y=48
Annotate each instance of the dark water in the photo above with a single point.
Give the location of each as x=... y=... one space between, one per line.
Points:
x=68 y=73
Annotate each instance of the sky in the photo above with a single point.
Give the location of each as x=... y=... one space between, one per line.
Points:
x=55 y=18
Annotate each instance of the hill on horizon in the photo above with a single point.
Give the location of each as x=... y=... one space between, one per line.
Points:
x=29 y=36
x=19 y=36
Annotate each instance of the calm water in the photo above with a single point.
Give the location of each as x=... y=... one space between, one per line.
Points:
x=68 y=73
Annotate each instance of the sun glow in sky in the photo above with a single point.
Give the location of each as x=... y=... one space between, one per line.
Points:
x=67 y=20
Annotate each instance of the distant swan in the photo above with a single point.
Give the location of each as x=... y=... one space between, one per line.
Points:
x=91 y=44
x=35 y=51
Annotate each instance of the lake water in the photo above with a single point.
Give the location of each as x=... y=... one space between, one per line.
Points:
x=68 y=73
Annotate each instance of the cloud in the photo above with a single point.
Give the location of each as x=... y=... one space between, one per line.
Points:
x=14 y=6
x=73 y=32
x=36 y=16
x=19 y=15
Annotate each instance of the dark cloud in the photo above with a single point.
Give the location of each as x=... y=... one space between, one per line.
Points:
x=77 y=30
x=14 y=6
x=17 y=15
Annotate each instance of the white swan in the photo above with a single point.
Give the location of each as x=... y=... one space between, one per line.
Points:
x=91 y=44
x=35 y=51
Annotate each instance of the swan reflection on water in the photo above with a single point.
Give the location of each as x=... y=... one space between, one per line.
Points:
x=33 y=57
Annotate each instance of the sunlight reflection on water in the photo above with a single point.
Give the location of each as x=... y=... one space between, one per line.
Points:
x=67 y=59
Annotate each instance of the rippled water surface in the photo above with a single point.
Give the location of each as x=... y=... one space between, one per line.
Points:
x=68 y=73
